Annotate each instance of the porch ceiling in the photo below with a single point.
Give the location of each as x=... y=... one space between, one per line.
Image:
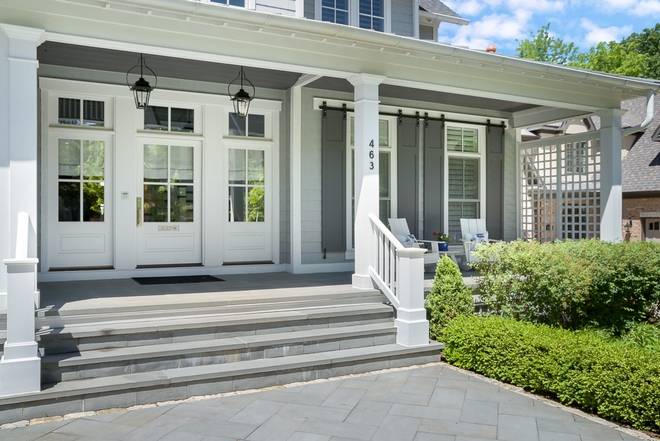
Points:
x=87 y=57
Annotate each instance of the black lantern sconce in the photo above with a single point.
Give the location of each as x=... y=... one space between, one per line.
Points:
x=627 y=226
x=241 y=99
x=141 y=88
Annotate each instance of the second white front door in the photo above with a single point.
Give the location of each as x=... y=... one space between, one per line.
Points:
x=168 y=206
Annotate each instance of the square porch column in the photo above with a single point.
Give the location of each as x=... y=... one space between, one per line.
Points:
x=366 y=172
x=18 y=139
x=611 y=196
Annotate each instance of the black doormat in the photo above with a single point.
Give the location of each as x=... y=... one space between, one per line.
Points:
x=175 y=279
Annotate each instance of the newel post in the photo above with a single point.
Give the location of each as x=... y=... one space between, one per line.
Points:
x=411 y=323
x=20 y=366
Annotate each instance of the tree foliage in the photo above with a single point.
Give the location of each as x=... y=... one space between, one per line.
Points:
x=545 y=47
x=637 y=55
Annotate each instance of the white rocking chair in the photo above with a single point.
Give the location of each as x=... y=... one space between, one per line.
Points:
x=399 y=228
x=473 y=232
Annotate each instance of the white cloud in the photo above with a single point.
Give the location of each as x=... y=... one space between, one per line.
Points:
x=633 y=7
x=596 y=34
x=491 y=29
x=536 y=5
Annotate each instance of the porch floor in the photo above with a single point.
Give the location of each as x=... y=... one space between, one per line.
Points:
x=75 y=297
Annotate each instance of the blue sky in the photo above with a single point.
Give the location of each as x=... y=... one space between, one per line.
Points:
x=502 y=22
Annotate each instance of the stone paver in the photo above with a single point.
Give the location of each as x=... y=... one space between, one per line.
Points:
x=428 y=403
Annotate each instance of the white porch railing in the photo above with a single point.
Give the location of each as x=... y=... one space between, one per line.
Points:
x=20 y=367
x=399 y=273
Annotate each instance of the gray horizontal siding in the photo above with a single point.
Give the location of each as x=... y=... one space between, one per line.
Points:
x=310 y=9
x=402 y=18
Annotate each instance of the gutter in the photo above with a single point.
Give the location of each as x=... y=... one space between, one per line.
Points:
x=230 y=14
x=650 y=97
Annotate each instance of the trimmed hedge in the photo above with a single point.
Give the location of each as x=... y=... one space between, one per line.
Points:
x=615 y=380
x=572 y=284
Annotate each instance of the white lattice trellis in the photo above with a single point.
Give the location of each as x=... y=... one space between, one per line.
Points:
x=560 y=187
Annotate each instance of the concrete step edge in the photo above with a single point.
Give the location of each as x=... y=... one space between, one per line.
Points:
x=212 y=320
x=227 y=344
x=68 y=390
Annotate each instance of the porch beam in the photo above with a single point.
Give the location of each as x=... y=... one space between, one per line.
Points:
x=18 y=138
x=545 y=115
x=611 y=199
x=366 y=172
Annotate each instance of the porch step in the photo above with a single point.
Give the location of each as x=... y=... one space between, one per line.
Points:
x=179 y=329
x=174 y=384
x=147 y=350
x=119 y=361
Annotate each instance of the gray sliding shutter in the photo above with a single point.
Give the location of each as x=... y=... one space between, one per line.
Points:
x=433 y=140
x=495 y=182
x=407 y=176
x=333 y=182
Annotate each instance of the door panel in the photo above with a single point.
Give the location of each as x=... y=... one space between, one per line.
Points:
x=169 y=202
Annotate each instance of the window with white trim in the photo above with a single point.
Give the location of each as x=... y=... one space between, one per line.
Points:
x=365 y=14
x=238 y=3
x=463 y=179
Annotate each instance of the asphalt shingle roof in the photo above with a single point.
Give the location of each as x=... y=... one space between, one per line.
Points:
x=437 y=7
x=641 y=167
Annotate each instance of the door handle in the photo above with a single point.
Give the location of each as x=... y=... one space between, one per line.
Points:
x=139 y=211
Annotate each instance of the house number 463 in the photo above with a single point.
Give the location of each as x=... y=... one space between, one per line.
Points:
x=371 y=155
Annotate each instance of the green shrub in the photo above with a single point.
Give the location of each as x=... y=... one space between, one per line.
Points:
x=611 y=378
x=572 y=284
x=449 y=297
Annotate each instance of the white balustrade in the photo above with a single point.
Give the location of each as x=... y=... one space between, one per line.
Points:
x=399 y=273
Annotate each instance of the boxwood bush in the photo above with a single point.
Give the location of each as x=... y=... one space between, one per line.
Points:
x=572 y=284
x=615 y=380
x=449 y=296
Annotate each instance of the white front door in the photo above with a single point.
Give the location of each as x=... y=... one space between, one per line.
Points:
x=169 y=211
x=78 y=199
x=249 y=228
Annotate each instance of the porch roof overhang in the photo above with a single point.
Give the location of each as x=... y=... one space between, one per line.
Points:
x=537 y=92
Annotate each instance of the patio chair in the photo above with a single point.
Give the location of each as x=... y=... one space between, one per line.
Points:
x=399 y=228
x=473 y=232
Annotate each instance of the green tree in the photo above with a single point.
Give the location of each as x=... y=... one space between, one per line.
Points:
x=544 y=47
x=616 y=58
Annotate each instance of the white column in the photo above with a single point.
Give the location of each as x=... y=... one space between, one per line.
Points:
x=366 y=172
x=18 y=139
x=611 y=198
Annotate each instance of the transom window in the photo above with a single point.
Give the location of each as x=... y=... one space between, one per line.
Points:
x=253 y=126
x=81 y=180
x=169 y=119
x=80 y=112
